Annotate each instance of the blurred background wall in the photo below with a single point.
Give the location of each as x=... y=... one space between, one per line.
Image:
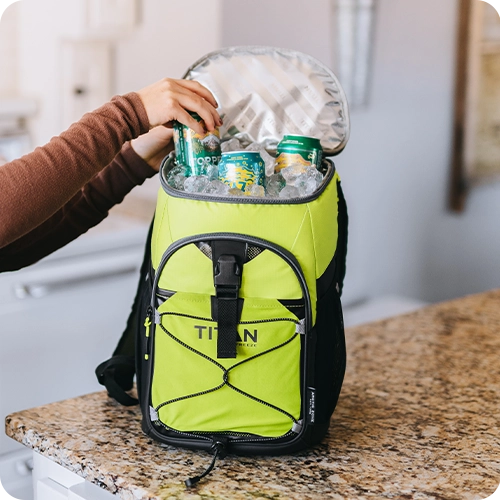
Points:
x=166 y=38
x=395 y=168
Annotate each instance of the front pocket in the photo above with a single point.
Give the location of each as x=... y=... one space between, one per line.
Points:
x=256 y=393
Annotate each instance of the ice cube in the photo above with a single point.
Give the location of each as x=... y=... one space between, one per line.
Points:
x=274 y=184
x=291 y=173
x=289 y=192
x=176 y=177
x=177 y=182
x=309 y=181
x=212 y=172
x=196 y=183
x=268 y=159
x=216 y=188
x=231 y=145
x=255 y=190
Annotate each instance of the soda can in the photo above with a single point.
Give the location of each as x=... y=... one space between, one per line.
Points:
x=196 y=151
x=298 y=150
x=239 y=169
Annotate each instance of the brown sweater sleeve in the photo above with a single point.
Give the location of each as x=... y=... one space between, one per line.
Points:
x=34 y=187
x=85 y=210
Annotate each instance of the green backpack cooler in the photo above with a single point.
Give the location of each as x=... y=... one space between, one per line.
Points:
x=236 y=333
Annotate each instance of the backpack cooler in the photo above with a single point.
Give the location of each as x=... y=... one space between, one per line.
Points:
x=236 y=331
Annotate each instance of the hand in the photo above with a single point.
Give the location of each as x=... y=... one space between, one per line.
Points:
x=154 y=146
x=170 y=99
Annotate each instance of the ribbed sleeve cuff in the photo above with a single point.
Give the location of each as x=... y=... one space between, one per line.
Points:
x=134 y=99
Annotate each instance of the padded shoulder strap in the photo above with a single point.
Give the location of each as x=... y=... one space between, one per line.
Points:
x=117 y=373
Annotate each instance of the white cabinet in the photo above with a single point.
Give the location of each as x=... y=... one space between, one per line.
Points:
x=104 y=16
x=88 y=491
x=8 y=49
x=53 y=482
x=86 y=77
x=47 y=489
x=61 y=317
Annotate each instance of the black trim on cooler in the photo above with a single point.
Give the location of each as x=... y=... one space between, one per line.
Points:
x=335 y=270
x=325 y=280
x=330 y=171
x=295 y=306
x=341 y=252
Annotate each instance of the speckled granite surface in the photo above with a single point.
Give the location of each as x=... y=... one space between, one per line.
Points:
x=418 y=418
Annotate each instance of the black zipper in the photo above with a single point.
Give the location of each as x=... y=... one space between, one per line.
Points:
x=258 y=321
x=243 y=199
x=207 y=436
x=289 y=258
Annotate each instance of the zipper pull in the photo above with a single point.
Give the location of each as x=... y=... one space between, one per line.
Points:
x=219 y=450
x=147 y=325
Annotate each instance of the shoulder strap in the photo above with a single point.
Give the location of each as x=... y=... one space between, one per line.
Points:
x=117 y=373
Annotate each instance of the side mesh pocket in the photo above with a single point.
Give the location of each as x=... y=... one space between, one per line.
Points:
x=330 y=353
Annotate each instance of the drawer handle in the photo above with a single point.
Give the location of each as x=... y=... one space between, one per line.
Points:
x=38 y=290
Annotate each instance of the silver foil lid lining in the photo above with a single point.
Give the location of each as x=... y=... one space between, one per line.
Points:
x=265 y=93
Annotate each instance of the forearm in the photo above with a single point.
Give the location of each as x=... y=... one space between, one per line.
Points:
x=85 y=210
x=37 y=185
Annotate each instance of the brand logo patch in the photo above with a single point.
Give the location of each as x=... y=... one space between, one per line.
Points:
x=249 y=336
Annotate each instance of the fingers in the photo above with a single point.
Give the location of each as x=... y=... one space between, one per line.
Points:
x=199 y=89
x=171 y=99
x=203 y=109
x=185 y=118
x=192 y=101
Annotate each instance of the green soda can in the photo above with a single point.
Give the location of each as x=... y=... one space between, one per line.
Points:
x=239 y=169
x=197 y=152
x=298 y=150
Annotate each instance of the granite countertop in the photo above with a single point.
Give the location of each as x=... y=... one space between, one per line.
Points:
x=417 y=418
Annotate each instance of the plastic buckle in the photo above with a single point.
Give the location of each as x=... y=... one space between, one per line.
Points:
x=227 y=278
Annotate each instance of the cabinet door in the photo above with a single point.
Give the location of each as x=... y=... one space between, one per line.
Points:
x=89 y=491
x=51 y=481
x=48 y=489
x=54 y=482
x=69 y=322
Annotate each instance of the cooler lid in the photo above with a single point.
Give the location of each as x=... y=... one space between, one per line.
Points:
x=267 y=92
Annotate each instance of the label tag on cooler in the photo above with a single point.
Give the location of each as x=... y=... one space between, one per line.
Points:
x=311 y=405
